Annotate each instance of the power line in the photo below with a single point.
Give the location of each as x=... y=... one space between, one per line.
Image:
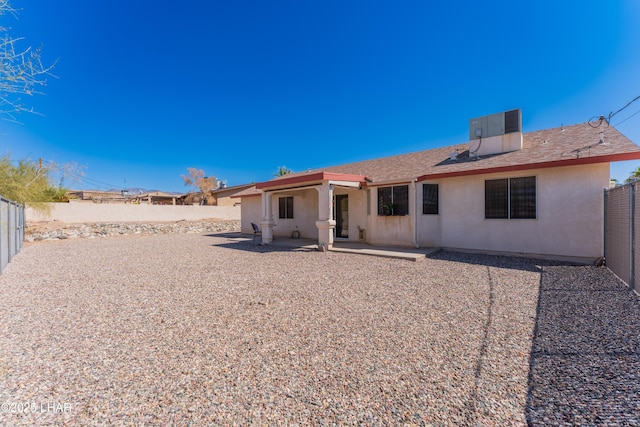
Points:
x=83 y=179
x=628 y=103
x=96 y=182
x=596 y=121
x=619 y=123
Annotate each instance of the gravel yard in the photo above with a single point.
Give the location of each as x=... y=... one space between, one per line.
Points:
x=586 y=351
x=191 y=329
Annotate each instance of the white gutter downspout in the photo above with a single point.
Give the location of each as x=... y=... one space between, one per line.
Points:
x=415 y=213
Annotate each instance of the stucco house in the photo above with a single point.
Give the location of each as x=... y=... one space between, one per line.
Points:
x=503 y=191
x=221 y=196
x=224 y=196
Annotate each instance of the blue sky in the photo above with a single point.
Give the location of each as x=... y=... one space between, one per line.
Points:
x=146 y=89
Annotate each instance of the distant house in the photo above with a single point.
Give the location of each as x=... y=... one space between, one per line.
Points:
x=155 y=198
x=97 y=196
x=224 y=196
x=124 y=196
x=535 y=194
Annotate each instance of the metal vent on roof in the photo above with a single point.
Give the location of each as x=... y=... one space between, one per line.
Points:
x=512 y=121
x=495 y=124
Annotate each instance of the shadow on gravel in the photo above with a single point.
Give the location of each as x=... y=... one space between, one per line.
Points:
x=243 y=242
x=585 y=355
x=515 y=263
x=258 y=248
x=229 y=235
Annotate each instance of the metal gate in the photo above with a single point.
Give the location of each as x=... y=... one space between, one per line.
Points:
x=11 y=230
x=621 y=232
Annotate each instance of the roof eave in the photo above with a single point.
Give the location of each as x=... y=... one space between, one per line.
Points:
x=542 y=165
x=240 y=196
x=309 y=178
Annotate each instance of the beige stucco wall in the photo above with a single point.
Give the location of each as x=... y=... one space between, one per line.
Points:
x=390 y=230
x=227 y=201
x=251 y=208
x=569 y=220
x=77 y=212
x=305 y=213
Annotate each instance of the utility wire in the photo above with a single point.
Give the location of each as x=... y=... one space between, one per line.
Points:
x=100 y=184
x=596 y=121
x=619 y=123
x=82 y=178
x=629 y=103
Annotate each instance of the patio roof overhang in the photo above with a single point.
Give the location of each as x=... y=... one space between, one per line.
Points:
x=309 y=179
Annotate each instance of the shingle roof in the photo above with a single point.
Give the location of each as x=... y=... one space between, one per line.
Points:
x=564 y=146
x=250 y=191
x=236 y=189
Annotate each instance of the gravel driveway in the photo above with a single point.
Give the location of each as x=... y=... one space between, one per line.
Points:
x=208 y=330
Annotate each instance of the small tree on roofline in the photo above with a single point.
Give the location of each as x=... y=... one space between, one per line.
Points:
x=282 y=170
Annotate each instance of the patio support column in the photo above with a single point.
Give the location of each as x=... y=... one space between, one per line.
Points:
x=325 y=222
x=267 y=223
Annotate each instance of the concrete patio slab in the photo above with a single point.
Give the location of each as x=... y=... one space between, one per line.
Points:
x=358 y=248
x=412 y=254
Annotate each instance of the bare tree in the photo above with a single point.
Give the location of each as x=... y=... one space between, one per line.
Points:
x=22 y=71
x=196 y=178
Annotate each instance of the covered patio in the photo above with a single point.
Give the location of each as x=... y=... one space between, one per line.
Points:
x=314 y=195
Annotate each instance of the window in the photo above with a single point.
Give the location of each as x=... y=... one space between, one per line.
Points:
x=496 y=196
x=522 y=192
x=368 y=202
x=430 y=199
x=285 y=207
x=510 y=198
x=393 y=200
